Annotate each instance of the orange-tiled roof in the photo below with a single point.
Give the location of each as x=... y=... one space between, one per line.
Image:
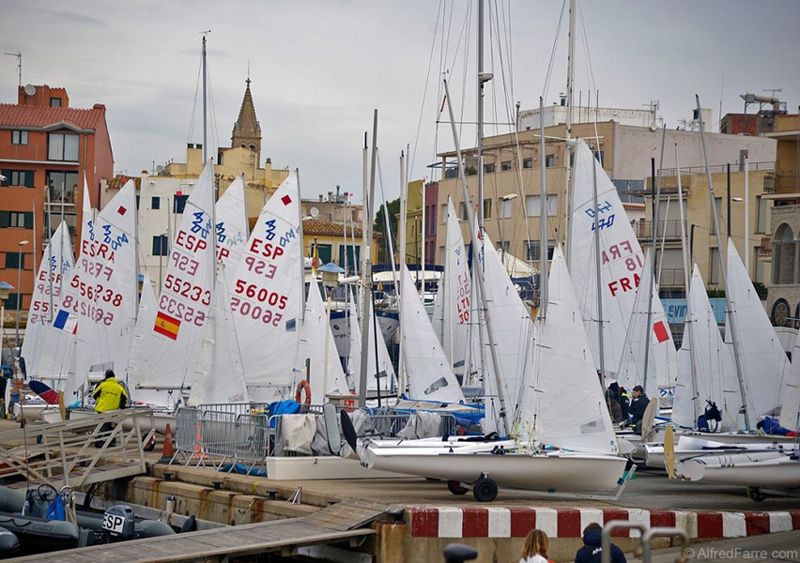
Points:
x=12 y=115
x=324 y=228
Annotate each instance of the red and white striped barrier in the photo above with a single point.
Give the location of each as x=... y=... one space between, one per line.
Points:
x=491 y=522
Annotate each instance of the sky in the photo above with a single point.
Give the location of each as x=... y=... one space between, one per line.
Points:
x=319 y=69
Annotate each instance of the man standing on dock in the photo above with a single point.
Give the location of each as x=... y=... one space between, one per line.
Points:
x=638 y=405
x=109 y=395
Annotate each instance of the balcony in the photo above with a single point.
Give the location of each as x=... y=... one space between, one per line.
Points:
x=785 y=182
x=765 y=250
x=667 y=230
x=670 y=277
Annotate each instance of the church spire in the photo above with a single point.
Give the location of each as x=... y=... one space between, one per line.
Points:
x=247 y=130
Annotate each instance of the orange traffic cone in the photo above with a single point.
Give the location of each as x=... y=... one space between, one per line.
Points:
x=169 y=450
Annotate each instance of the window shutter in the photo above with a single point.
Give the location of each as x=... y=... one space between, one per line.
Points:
x=28 y=220
x=29 y=174
x=4 y=219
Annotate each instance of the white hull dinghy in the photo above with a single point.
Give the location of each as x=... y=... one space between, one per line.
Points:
x=776 y=469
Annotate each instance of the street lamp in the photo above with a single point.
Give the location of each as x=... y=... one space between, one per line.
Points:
x=5 y=289
x=19 y=283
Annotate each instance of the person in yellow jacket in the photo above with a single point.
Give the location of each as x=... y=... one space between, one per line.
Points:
x=109 y=395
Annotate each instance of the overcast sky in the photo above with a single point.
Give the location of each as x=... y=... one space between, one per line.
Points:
x=320 y=68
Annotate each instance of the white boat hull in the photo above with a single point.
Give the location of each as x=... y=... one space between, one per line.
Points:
x=773 y=469
x=160 y=419
x=551 y=472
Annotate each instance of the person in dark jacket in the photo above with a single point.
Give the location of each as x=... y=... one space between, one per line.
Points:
x=624 y=402
x=612 y=400
x=638 y=406
x=592 y=549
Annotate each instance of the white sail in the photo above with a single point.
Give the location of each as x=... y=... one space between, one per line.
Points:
x=145 y=319
x=514 y=335
x=266 y=296
x=384 y=363
x=565 y=396
x=453 y=298
x=316 y=340
x=105 y=286
x=790 y=409
x=231 y=228
x=57 y=260
x=172 y=346
x=714 y=371
x=761 y=356
x=428 y=370
x=632 y=365
x=621 y=262
x=218 y=375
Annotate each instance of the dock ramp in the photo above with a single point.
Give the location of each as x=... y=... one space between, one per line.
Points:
x=340 y=523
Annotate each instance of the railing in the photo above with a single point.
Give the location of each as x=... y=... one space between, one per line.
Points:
x=785 y=182
x=718 y=168
x=670 y=228
x=68 y=453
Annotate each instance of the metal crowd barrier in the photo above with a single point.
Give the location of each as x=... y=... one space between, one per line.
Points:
x=224 y=435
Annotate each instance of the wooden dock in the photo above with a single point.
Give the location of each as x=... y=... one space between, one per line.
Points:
x=340 y=523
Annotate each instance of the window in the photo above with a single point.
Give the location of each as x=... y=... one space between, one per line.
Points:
x=713 y=256
x=462 y=211
x=487 y=208
x=63 y=186
x=761 y=224
x=532 y=250
x=505 y=208
x=62 y=147
x=353 y=256
x=138 y=199
x=155 y=202
x=718 y=206
x=179 y=203
x=325 y=253
x=160 y=245
x=527 y=163
x=444 y=213
x=505 y=166
x=534 y=209
x=600 y=156
x=488 y=168
x=549 y=161
x=15 y=260
x=55 y=102
x=18 y=178
x=504 y=246
x=16 y=219
x=19 y=137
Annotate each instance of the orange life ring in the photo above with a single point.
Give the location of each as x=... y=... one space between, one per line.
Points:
x=303 y=386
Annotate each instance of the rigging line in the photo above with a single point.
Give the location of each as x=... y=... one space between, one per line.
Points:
x=425 y=88
x=590 y=77
x=465 y=73
x=550 y=66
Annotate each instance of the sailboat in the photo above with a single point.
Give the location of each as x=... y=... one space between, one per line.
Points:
x=621 y=272
x=231 y=228
x=382 y=369
x=576 y=420
x=171 y=345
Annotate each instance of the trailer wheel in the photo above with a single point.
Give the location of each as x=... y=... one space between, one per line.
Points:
x=484 y=490
x=755 y=494
x=456 y=488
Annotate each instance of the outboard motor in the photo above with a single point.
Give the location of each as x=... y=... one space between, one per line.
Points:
x=9 y=544
x=118 y=524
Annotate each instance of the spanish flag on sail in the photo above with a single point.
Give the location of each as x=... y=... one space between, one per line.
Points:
x=166 y=325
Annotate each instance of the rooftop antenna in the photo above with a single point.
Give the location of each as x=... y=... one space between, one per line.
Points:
x=19 y=65
x=773 y=90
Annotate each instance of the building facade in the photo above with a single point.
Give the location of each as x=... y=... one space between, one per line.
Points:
x=47 y=151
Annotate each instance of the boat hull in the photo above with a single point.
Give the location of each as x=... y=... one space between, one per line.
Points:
x=773 y=469
x=551 y=472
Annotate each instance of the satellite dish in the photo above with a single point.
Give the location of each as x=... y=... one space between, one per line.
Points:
x=159 y=169
x=30 y=89
x=314 y=212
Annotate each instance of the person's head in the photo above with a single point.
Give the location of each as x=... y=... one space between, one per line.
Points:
x=614 y=387
x=109 y=373
x=593 y=534
x=536 y=543
x=638 y=390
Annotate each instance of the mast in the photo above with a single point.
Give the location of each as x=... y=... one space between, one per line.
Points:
x=656 y=200
x=598 y=277
x=687 y=326
x=723 y=271
x=567 y=143
x=205 y=104
x=402 y=250
x=366 y=268
x=543 y=281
